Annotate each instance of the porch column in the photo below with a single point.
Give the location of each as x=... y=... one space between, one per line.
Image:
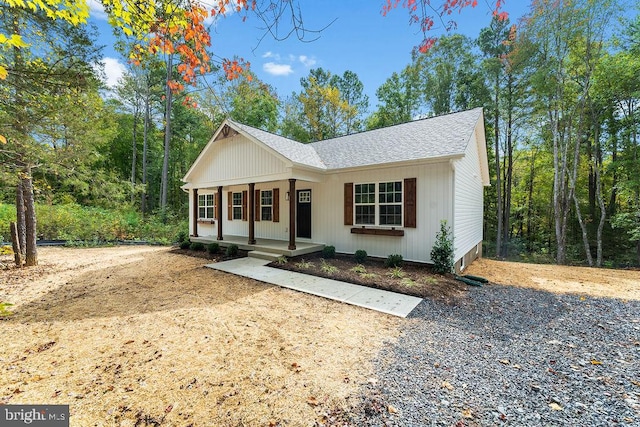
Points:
x=219 y=211
x=292 y=214
x=252 y=213
x=195 y=213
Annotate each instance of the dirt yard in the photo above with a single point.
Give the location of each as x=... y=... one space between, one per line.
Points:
x=141 y=336
x=598 y=282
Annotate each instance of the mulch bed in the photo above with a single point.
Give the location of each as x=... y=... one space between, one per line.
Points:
x=418 y=279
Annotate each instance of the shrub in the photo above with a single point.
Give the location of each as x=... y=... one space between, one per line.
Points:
x=232 y=250
x=442 y=251
x=185 y=245
x=197 y=246
x=361 y=256
x=393 y=260
x=182 y=236
x=281 y=260
x=213 y=248
x=329 y=252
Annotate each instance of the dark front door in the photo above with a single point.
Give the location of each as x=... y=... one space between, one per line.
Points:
x=303 y=213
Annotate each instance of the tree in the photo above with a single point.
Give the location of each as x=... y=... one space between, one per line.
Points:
x=400 y=99
x=58 y=64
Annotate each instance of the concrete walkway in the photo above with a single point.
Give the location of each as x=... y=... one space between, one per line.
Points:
x=374 y=299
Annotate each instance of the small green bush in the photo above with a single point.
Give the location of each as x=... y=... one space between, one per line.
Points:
x=329 y=252
x=442 y=251
x=213 y=248
x=393 y=260
x=182 y=236
x=281 y=260
x=361 y=256
x=232 y=250
x=185 y=245
x=197 y=246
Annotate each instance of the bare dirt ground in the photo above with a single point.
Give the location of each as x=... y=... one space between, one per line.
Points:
x=137 y=336
x=140 y=336
x=598 y=282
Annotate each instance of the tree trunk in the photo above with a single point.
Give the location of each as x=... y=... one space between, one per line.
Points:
x=147 y=107
x=167 y=138
x=134 y=149
x=496 y=134
x=30 y=220
x=21 y=229
x=509 y=172
x=15 y=241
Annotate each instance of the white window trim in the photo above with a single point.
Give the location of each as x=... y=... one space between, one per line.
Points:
x=263 y=205
x=234 y=206
x=377 y=205
x=206 y=205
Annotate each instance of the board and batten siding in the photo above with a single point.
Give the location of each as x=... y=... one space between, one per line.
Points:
x=434 y=202
x=468 y=199
x=237 y=159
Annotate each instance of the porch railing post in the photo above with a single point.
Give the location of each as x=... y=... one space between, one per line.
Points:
x=292 y=214
x=219 y=211
x=252 y=213
x=195 y=213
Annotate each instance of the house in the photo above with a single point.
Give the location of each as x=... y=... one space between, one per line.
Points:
x=384 y=190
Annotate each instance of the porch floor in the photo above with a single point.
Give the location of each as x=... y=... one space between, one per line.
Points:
x=279 y=247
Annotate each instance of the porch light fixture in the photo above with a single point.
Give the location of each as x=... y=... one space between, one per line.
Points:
x=286 y=196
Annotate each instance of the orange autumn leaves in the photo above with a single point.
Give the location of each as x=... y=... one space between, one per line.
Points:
x=425 y=14
x=182 y=31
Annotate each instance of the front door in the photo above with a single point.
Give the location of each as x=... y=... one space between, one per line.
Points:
x=303 y=213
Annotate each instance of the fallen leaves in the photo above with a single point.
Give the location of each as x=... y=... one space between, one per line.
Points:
x=447 y=385
x=555 y=406
x=596 y=362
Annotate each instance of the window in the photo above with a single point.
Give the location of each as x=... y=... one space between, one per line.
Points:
x=237 y=205
x=365 y=202
x=266 y=203
x=379 y=204
x=390 y=199
x=206 y=206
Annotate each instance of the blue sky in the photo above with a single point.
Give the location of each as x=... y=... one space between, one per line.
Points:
x=358 y=38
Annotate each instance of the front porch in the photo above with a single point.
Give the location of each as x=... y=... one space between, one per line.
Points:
x=280 y=247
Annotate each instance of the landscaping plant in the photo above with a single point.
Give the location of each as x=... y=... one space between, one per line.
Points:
x=442 y=252
x=361 y=256
x=329 y=252
x=393 y=260
x=232 y=250
x=213 y=248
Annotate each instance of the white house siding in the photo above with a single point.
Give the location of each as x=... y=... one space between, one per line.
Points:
x=467 y=222
x=237 y=159
x=434 y=202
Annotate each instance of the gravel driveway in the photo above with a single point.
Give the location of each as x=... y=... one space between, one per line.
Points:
x=511 y=356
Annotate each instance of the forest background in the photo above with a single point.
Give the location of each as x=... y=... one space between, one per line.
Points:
x=560 y=90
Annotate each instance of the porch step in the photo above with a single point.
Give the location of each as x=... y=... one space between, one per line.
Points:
x=269 y=256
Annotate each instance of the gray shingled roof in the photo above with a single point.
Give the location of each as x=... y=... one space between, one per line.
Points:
x=293 y=150
x=440 y=136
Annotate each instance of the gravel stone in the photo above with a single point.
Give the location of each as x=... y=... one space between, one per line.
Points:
x=510 y=356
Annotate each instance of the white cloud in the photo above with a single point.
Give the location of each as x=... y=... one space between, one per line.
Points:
x=270 y=54
x=306 y=61
x=114 y=70
x=96 y=10
x=277 y=69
